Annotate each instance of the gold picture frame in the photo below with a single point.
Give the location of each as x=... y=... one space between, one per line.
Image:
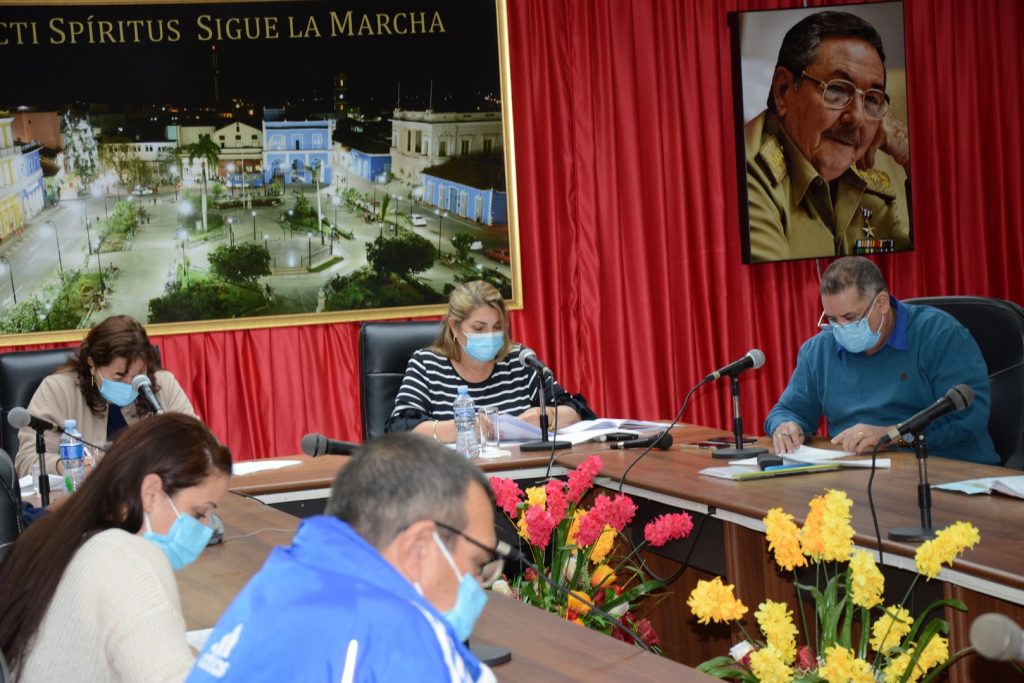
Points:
x=415 y=146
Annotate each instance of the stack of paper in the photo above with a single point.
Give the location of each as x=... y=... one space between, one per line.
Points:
x=806 y=455
x=1011 y=486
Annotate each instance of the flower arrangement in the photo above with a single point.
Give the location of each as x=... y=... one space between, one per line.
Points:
x=856 y=637
x=572 y=545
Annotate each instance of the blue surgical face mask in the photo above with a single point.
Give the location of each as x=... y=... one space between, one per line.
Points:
x=118 y=393
x=469 y=602
x=484 y=346
x=857 y=337
x=183 y=542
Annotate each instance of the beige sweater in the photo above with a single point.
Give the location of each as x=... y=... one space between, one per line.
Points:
x=59 y=398
x=116 y=616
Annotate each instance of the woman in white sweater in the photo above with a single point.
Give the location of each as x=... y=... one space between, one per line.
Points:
x=90 y=591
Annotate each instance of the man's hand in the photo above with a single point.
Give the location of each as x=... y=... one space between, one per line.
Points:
x=788 y=437
x=860 y=438
x=892 y=138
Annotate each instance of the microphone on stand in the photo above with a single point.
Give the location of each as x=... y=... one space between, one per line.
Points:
x=997 y=637
x=752 y=360
x=317 y=444
x=142 y=384
x=959 y=397
x=529 y=359
x=18 y=417
x=662 y=441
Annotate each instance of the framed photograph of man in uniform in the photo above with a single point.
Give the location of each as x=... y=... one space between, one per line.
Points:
x=823 y=145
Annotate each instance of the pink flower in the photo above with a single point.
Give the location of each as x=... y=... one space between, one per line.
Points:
x=591 y=526
x=616 y=512
x=507 y=494
x=582 y=478
x=557 y=501
x=539 y=524
x=665 y=528
x=530 y=574
x=805 y=658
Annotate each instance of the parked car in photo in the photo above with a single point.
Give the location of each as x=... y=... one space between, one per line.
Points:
x=418 y=221
x=500 y=255
x=139 y=191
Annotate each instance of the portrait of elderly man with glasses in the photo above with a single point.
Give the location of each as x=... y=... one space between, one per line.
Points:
x=877 y=361
x=827 y=162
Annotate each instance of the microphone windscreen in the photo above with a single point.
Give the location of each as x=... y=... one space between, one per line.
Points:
x=526 y=354
x=996 y=636
x=961 y=395
x=18 y=417
x=140 y=381
x=313 y=444
x=756 y=355
x=664 y=443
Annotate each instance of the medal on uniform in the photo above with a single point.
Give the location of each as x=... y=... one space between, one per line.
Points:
x=869 y=232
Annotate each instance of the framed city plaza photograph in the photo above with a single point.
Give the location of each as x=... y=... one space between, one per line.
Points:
x=822 y=137
x=224 y=165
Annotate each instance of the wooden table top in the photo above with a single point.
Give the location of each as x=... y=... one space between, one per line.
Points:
x=543 y=645
x=999 y=557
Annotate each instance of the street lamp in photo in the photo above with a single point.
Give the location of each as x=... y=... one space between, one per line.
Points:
x=291 y=229
x=309 y=249
x=6 y=263
x=440 y=220
x=336 y=200
x=185 y=209
x=253 y=225
x=266 y=242
x=99 y=263
x=231 y=180
x=182 y=237
x=53 y=226
x=231 y=230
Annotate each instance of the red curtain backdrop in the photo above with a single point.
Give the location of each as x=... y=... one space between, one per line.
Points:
x=632 y=281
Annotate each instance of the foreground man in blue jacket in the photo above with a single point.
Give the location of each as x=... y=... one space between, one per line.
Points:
x=385 y=586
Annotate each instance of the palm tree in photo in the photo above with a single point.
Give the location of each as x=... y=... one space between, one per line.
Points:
x=298 y=168
x=207 y=150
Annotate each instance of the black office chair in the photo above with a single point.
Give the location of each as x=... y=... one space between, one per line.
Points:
x=998 y=327
x=11 y=521
x=384 y=351
x=21 y=372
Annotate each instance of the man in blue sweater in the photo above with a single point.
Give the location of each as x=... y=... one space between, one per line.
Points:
x=385 y=586
x=877 y=362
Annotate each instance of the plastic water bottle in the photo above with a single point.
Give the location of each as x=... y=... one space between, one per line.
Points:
x=72 y=456
x=466 y=442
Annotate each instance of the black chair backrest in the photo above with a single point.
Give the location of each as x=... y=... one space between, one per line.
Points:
x=998 y=327
x=21 y=372
x=11 y=522
x=384 y=351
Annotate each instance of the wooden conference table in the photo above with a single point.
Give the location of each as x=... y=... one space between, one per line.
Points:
x=989 y=578
x=543 y=646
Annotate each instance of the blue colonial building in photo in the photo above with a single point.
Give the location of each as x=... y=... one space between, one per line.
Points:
x=468 y=188
x=308 y=142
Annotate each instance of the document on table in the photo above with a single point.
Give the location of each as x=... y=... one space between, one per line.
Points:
x=743 y=472
x=1010 y=486
x=252 y=466
x=28 y=484
x=808 y=455
x=513 y=429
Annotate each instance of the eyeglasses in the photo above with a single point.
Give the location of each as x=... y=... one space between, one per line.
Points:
x=490 y=571
x=830 y=323
x=839 y=93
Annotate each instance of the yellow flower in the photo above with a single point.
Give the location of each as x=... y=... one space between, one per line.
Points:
x=712 y=601
x=575 y=602
x=768 y=667
x=776 y=622
x=603 y=545
x=935 y=652
x=521 y=525
x=784 y=539
x=888 y=630
x=603 y=576
x=866 y=582
x=536 y=495
x=827 y=534
x=943 y=549
x=841 y=666
x=894 y=672
x=574 y=528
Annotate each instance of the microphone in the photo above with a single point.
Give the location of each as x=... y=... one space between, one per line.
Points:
x=753 y=359
x=957 y=398
x=18 y=417
x=528 y=358
x=662 y=442
x=317 y=444
x=996 y=636
x=142 y=384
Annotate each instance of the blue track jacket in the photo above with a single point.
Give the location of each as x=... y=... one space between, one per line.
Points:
x=331 y=608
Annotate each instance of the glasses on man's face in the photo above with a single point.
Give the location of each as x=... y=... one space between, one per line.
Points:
x=489 y=571
x=839 y=93
x=833 y=322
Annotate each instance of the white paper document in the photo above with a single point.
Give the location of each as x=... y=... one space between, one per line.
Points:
x=808 y=455
x=28 y=484
x=513 y=429
x=252 y=466
x=1010 y=486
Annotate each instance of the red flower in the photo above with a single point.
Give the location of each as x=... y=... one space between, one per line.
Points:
x=570 y=614
x=530 y=574
x=582 y=478
x=665 y=528
x=557 y=502
x=539 y=524
x=805 y=658
x=625 y=636
x=617 y=512
x=507 y=494
x=646 y=632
